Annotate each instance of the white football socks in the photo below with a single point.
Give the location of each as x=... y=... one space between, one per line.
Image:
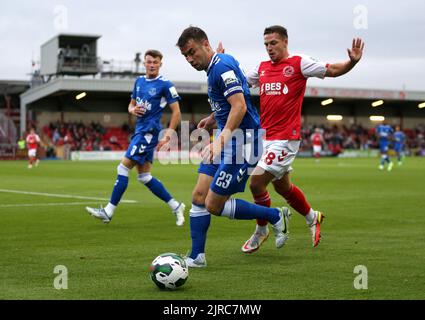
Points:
x=109 y=209
x=261 y=229
x=174 y=204
x=309 y=218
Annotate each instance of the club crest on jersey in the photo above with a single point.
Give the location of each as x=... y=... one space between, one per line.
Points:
x=288 y=71
x=152 y=91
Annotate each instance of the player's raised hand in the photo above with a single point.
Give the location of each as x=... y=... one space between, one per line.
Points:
x=356 y=51
x=220 y=48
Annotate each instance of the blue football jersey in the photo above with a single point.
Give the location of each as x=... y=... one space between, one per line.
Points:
x=384 y=132
x=226 y=78
x=399 y=138
x=153 y=95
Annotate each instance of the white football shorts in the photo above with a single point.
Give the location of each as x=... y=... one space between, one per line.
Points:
x=278 y=155
x=317 y=149
x=32 y=153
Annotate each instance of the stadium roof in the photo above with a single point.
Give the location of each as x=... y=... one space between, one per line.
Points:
x=126 y=85
x=63 y=84
x=77 y=37
x=13 y=86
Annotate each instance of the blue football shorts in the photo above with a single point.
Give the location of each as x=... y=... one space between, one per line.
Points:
x=231 y=173
x=142 y=147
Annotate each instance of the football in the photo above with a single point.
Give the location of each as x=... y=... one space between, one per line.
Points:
x=169 y=271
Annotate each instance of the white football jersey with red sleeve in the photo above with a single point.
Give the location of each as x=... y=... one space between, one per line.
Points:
x=282 y=87
x=32 y=141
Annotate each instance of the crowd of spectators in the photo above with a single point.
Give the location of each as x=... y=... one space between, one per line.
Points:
x=95 y=137
x=82 y=137
x=339 y=138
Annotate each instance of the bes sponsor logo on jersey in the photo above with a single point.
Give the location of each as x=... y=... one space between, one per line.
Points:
x=273 y=89
x=215 y=106
x=288 y=71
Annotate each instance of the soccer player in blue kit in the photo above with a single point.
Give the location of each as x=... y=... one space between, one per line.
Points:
x=222 y=173
x=399 y=140
x=384 y=133
x=150 y=96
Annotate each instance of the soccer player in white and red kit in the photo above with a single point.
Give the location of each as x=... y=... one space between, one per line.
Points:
x=32 y=141
x=317 y=141
x=282 y=82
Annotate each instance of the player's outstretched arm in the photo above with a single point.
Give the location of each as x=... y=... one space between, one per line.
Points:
x=354 y=54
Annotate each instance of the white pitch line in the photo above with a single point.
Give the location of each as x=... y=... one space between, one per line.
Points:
x=45 y=204
x=60 y=195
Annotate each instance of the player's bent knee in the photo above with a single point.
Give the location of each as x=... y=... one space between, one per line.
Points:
x=198 y=196
x=122 y=170
x=215 y=204
x=257 y=187
x=213 y=207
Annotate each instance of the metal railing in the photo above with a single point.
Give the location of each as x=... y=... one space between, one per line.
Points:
x=79 y=63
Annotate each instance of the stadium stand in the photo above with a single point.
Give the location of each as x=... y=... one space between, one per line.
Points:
x=356 y=137
x=70 y=65
x=92 y=137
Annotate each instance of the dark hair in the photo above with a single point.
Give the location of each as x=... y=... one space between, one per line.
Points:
x=277 y=29
x=191 y=33
x=154 y=53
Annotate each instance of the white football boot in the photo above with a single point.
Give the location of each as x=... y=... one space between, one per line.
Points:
x=198 y=262
x=280 y=228
x=256 y=240
x=315 y=227
x=99 y=214
x=179 y=213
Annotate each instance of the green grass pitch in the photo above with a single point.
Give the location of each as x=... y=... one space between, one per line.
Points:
x=373 y=218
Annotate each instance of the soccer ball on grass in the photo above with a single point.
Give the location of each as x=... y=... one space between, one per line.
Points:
x=169 y=271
